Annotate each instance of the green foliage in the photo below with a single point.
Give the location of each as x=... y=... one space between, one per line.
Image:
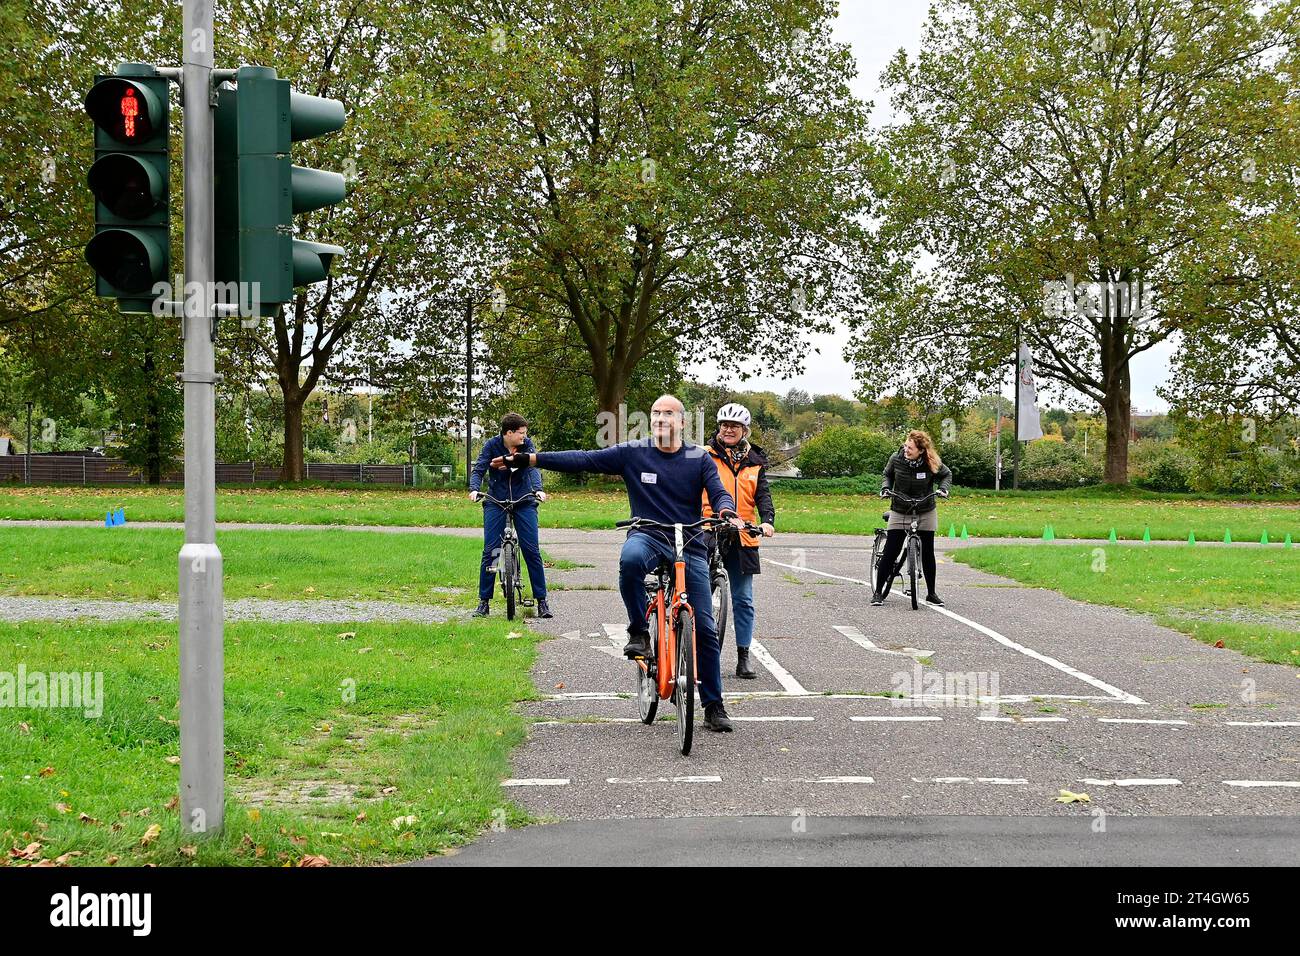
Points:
x=1161 y=466
x=971 y=460
x=1049 y=465
x=845 y=451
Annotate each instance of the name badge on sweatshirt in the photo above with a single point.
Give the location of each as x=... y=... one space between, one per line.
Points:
x=649 y=478
x=920 y=474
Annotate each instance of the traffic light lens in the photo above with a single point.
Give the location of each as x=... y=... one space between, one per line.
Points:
x=125 y=260
x=126 y=186
x=122 y=110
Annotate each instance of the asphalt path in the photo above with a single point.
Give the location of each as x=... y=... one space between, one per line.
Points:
x=1010 y=695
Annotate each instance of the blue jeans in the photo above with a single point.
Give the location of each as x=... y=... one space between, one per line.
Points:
x=742 y=597
x=640 y=556
x=494 y=527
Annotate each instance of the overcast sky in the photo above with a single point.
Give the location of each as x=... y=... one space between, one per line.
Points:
x=875 y=29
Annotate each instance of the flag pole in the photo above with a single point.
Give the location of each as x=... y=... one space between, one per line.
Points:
x=1015 y=445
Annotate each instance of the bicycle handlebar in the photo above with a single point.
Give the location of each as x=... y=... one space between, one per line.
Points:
x=908 y=498
x=509 y=502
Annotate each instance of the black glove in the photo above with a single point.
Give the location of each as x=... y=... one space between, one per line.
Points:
x=885 y=492
x=516 y=461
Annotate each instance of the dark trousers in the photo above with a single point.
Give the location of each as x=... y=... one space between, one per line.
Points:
x=494 y=527
x=894 y=547
x=640 y=556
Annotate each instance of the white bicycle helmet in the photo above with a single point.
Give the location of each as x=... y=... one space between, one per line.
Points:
x=733 y=412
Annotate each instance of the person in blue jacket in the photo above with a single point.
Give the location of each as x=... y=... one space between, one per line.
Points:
x=665 y=477
x=508 y=487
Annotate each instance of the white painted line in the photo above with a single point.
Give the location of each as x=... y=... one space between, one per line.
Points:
x=1026 y=720
x=1139 y=720
x=819 y=780
x=860 y=639
x=1050 y=661
x=606 y=649
x=1114 y=692
x=814 y=695
x=572 y=635
x=775 y=718
x=783 y=676
x=1000 y=781
x=1262 y=783
x=663 y=780
x=876 y=718
x=587 y=696
x=589 y=720
x=1134 y=782
x=616 y=634
x=536 y=782
x=1264 y=723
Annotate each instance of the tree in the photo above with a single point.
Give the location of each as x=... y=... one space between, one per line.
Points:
x=662 y=177
x=1044 y=145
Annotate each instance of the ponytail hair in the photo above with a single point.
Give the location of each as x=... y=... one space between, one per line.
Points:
x=925 y=444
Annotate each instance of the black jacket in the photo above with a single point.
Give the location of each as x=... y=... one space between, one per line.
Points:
x=914 y=479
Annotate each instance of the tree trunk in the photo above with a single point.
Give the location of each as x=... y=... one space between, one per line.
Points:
x=153 y=423
x=611 y=391
x=1118 y=413
x=292 y=467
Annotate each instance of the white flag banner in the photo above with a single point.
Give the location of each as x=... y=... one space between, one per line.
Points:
x=1028 y=427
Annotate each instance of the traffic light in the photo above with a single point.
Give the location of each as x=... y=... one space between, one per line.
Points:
x=258 y=189
x=131 y=248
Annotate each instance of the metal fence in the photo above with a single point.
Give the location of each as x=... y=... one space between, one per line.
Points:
x=93 y=470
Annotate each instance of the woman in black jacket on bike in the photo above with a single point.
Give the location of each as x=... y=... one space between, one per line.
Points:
x=914 y=470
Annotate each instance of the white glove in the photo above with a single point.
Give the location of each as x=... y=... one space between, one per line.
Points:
x=473 y=496
x=541 y=496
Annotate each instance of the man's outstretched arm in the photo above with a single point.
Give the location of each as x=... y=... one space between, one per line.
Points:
x=605 y=461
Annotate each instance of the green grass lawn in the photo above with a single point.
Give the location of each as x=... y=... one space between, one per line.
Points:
x=1085 y=513
x=383 y=746
x=141 y=564
x=1249 y=599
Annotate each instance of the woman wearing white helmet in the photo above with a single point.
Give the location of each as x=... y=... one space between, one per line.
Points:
x=743 y=470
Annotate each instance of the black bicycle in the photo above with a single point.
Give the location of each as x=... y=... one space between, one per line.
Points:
x=507 y=566
x=911 y=554
x=725 y=538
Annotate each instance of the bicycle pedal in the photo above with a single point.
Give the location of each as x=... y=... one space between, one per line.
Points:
x=528 y=602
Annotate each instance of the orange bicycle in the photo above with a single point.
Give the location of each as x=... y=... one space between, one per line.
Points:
x=669 y=673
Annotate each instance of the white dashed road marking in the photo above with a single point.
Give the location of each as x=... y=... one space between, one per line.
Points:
x=1138 y=720
x=1135 y=782
x=536 y=782
x=858 y=638
x=1002 y=781
x=882 y=718
x=1262 y=783
x=783 y=677
x=663 y=780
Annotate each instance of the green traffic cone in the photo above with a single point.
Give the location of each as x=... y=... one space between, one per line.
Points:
x=964 y=535
x=1287 y=542
x=1113 y=539
x=1047 y=532
x=1191 y=537
x=1227 y=536
x=1146 y=535
x=1263 y=538
x=952 y=531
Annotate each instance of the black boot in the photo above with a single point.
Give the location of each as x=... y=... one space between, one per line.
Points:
x=933 y=598
x=638 y=645
x=543 y=609
x=742 y=664
x=716 y=719
x=877 y=599
x=482 y=610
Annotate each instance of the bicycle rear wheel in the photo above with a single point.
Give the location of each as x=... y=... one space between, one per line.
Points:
x=647 y=689
x=684 y=692
x=509 y=572
x=913 y=565
x=877 y=554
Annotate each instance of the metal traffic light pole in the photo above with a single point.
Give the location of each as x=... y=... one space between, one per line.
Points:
x=202 y=655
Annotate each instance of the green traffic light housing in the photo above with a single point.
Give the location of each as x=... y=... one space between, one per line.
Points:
x=131 y=249
x=259 y=190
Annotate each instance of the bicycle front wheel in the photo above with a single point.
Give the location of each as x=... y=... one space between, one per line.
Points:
x=913 y=563
x=684 y=692
x=721 y=604
x=509 y=573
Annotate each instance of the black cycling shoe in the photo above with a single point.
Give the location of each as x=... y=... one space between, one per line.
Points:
x=638 y=645
x=716 y=719
x=742 y=664
x=877 y=599
x=933 y=598
x=482 y=610
x=543 y=609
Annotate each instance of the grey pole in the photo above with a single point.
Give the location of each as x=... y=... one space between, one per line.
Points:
x=469 y=385
x=1015 y=445
x=27 y=459
x=201 y=611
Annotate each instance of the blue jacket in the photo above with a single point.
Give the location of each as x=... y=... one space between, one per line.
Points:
x=660 y=486
x=504 y=484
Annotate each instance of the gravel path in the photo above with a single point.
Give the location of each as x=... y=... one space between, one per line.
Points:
x=244 y=609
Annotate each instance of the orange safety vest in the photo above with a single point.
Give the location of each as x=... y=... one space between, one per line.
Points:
x=742 y=485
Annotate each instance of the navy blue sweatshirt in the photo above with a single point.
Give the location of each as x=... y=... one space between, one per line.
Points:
x=660 y=486
x=505 y=485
